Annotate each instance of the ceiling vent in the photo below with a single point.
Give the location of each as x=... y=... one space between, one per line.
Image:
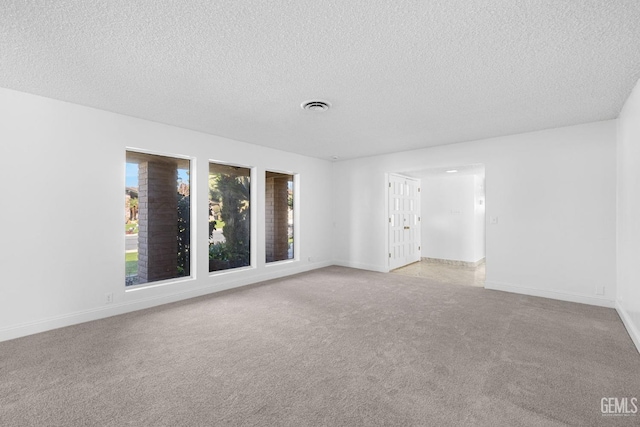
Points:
x=315 y=106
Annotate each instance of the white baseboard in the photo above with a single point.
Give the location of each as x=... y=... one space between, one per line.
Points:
x=361 y=266
x=55 y=322
x=628 y=323
x=562 y=296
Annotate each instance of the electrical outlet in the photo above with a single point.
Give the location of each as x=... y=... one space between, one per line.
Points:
x=109 y=298
x=599 y=290
x=309 y=259
x=493 y=219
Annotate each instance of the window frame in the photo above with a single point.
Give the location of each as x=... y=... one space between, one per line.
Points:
x=193 y=250
x=253 y=201
x=296 y=219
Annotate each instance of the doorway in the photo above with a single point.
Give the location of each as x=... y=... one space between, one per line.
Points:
x=453 y=225
x=403 y=220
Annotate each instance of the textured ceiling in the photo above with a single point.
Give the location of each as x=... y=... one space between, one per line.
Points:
x=399 y=74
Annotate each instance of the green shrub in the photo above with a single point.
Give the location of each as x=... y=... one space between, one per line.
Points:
x=219 y=251
x=234 y=192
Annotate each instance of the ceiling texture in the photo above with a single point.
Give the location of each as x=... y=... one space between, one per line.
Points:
x=399 y=75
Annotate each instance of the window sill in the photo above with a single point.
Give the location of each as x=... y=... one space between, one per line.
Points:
x=230 y=271
x=159 y=283
x=283 y=262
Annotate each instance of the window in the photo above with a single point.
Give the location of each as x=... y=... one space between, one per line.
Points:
x=279 y=216
x=229 y=217
x=157 y=218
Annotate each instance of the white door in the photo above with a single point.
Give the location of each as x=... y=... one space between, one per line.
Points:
x=404 y=221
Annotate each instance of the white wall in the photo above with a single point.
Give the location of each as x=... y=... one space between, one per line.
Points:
x=628 y=265
x=449 y=217
x=553 y=192
x=62 y=166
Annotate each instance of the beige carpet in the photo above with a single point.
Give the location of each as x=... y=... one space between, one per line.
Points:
x=333 y=347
